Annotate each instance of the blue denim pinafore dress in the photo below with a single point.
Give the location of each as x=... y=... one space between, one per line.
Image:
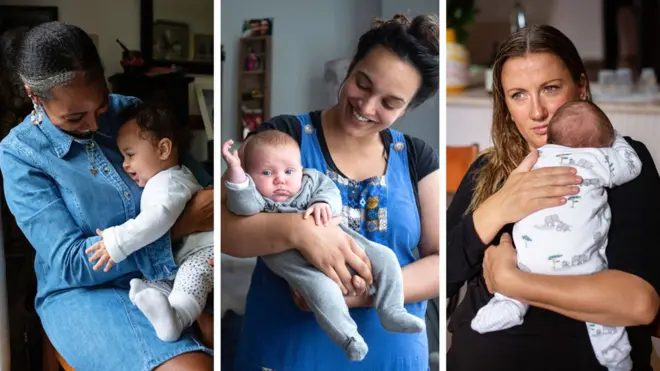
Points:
x=277 y=336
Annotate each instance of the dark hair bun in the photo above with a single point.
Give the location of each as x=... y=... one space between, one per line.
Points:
x=398 y=19
x=416 y=42
x=426 y=28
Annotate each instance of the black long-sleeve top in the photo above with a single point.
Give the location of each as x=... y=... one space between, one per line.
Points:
x=548 y=340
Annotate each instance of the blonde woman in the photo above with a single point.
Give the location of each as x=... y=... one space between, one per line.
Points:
x=537 y=70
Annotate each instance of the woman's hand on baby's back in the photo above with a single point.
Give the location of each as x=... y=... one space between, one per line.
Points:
x=527 y=191
x=330 y=250
x=196 y=217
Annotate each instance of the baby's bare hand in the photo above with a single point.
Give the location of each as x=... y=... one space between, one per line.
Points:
x=230 y=157
x=322 y=213
x=101 y=254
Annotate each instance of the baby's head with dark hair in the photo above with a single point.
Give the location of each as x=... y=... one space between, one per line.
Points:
x=272 y=158
x=580 y=124
x=151 y=139
x=157 y=122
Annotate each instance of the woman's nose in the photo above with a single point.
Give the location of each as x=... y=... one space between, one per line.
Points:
x=368 y=107
x=538 y=112
x=92 y=124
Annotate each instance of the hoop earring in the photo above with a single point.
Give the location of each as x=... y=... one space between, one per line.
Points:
x=36 y=116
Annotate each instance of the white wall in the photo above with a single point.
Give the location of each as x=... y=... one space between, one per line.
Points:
x=306 y=34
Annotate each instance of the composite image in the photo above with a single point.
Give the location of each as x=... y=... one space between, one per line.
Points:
x=453 y=185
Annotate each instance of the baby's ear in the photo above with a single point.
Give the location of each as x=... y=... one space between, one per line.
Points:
x=164 y=149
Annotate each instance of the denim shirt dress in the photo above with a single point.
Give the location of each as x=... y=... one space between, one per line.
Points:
x=58 y=204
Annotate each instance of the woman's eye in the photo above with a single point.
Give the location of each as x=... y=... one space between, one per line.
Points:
x=517 y=95
x=551 y=88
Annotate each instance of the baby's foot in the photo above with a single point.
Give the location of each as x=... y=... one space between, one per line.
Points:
x=356 y=349
x=138 y=284
x=156 y=307
x=397 y=319
x=498 y=315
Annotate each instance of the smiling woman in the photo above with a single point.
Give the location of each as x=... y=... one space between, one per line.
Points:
x=63 y=178
x=394 y=70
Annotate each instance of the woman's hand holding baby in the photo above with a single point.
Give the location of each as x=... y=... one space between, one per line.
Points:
x=196 y=217
x=322 y=216
x=330 y=250
x=499 y=265
x=525 y=192
x=101 y=254
x=322 y=213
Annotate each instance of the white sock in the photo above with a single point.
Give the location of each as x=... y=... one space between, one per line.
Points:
x=139 y=284
x=186 y=307
x=156 y=307
x=499 y=314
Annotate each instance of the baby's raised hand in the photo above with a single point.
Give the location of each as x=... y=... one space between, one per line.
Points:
x=322 y=213
x=101 y=254
x=231 y=158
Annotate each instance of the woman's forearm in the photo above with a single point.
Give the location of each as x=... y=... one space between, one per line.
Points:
x=257 y=235
x=421 y=279
x=486 y=221
x=610 y=297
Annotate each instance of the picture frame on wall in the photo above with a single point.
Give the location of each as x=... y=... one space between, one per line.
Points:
x=203 y=47
x=171 y=40
x=258 y=27
x=148 y=41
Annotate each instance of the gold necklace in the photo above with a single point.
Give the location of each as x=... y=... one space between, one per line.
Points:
x=89 y=149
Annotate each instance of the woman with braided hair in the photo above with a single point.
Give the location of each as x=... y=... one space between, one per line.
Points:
x=63 y=178
x=390 y=196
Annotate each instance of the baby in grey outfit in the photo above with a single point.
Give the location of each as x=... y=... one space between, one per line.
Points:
x=276 y=182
